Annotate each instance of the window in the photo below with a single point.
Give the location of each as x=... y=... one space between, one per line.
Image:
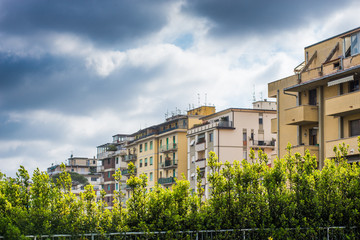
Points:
x=145 y=147
x=173 y=139
x=201 y=138
x=211 y=137
x=94 y=162
x=312 y=97
x=260 y=120
x=312 y=136
x=202 y=172
x=109 y=161
x=354 y=127
x=151 y=161
x=82 y=188
x=355 y=45
x=145 y=162
x=72 y=169
x=160 y=159
x=108 y=187
x=109 y=174
x=117 y=160
x=140 y=163
x=174 y=173
x=354 y=86
x=244 y=135
x=93 y=179
x=173 y=156
x=140 y=148
x=151 y=176
x=160 y=174
x=151 y=145
x=116 y=186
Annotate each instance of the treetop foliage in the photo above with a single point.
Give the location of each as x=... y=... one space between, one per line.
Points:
x=247 y=194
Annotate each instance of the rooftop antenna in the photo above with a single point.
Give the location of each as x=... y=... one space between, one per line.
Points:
x=261 y=96
x=254 y=98
x=198 y=99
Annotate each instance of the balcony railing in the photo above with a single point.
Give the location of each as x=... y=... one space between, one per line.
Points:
x=264 y=144
x=168 y=163
x=351 y=141
x=169 y=180
x=301 y=115
x=225 y=124
x=342 y=105
x=313 y=149
x=168 y=147
x=126 y=172
x=130 y=157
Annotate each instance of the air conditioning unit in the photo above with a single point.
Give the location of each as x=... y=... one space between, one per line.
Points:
x=192 y=175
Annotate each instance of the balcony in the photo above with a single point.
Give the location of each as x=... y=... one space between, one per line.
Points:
x=126 y=172
x=121 y=152
x=343 y=105
x=165 y=181
x=225 y=124
x=274 y=125
x=314 y=150
x=130 y=157
x=263 y=144
x=168 y=147
x=170 y=163
x=301 y=115
x=351 y=141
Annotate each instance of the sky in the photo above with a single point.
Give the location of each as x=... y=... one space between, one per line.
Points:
x=75 y=73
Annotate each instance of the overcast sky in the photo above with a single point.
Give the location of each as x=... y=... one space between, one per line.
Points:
x=74 y=73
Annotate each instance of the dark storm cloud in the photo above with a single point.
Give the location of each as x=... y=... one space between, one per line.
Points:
x=106 y=22
x=230 y=17
x=65 y=84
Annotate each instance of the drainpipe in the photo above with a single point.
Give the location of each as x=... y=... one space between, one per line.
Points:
x=321 y=128
x=278 y=123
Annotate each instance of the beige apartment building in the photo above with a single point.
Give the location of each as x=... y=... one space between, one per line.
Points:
x=319 y=106
x=231 y=134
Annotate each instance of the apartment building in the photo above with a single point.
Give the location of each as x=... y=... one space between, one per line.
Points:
x=87 y=167
x=110 y=155
x=160 y=151
x=231 y=134
x=319 y=106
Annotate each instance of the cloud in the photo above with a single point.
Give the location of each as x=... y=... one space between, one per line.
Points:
x=75 y=73
x=259 y=17
x=103 y=22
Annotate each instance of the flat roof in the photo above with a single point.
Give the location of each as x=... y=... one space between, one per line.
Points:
x=251 y=110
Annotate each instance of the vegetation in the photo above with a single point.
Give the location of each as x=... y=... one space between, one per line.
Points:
x=291 y=194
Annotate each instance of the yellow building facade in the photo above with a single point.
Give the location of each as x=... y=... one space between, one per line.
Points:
x=319 y=106
x=160 y=151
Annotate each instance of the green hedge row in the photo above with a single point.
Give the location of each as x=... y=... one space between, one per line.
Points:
x=248 y=194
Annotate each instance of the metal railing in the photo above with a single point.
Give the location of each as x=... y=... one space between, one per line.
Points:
x=168 y=163
x=130 y=157
x=168 y=147
x=168 y=180
x=322 y=233
x=127 y=171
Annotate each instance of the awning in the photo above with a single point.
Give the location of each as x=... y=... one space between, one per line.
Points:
x=341 y=80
